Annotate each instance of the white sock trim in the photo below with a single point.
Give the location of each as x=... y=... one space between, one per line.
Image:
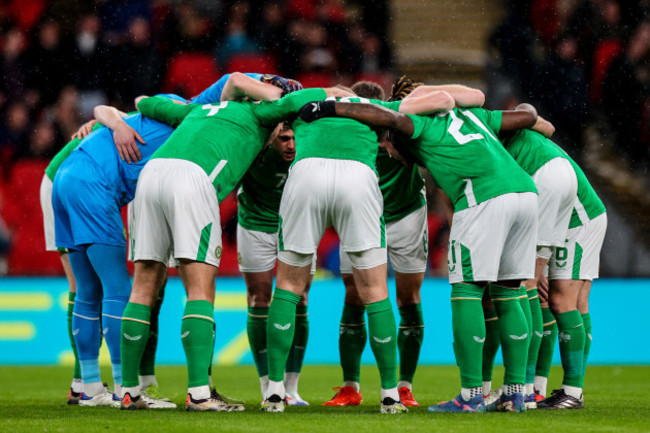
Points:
x=392 y=393
x=353 y=384
x=405 y=384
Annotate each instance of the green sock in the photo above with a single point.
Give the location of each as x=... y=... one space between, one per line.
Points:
x=134 y=332
x=76 y=374
x=148 y=363
x=197 y=334
x=382 y=333
x=586 y=319
x=571 y=334
x=409 y=340
x=280 y=329
x=469 y=332
x=352 y=341
x=547 y=347
x=256 y=329
x=297 y=351
x=537 y=333
x=491 y=345
x=513 y=330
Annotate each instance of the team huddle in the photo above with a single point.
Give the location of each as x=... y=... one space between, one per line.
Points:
x=526 y=234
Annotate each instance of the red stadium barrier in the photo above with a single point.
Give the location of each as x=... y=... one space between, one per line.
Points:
x=252 y=62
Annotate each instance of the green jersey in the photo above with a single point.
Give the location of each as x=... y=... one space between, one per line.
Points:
x=222 y=138
x=338 y=138
x=465 y=158
x=260 y=192
x=62 y=154
x=402 y=187
x=532 y=150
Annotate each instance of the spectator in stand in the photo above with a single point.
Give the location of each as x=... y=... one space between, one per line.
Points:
x=116 y=16
x=191 y=30
x=48 y=62
x=236 y=40
x=65 y=116
x=42 y=142
x=14 y=130
x=318 y=55
x=90 y=60
x=563 y=92
x=146 y=69
x=625 y=91
x=272 y=32
x=12 y=66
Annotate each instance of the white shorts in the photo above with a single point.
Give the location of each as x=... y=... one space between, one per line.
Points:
x=258 y=251
x=171 y=263
x=331 y=192
x=494 y=240
x=557 y=186
x=48 y=213
x=175 y=213
x=579 y=256
x=407 y=242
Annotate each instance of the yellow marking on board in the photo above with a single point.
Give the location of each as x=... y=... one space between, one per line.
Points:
x=17 y=331
x=25 y=301
x=63 y=301
x=230 y=301
x=234 y=351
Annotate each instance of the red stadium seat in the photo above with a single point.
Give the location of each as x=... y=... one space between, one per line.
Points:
x=262 y=63
x=604 y=54
x=189 y=73
x=315 y=79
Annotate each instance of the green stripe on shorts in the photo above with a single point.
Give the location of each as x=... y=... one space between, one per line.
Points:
x=204 y=243
x=466 y=259
x=280 y=237
x=382 y=227
x=577 y=261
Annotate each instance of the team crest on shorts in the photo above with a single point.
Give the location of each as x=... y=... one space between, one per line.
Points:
x=124 y=233
x=239 y=258
x=217 y=251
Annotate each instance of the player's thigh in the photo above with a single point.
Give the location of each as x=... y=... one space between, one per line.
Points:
x=356 y=206
x=579 y=257
x=517 y=261
x=48 y=213
x=150 y=233
x=303 y=208
x=476 y=241
x=557 y=187
x=256 y=251
x=407 y=242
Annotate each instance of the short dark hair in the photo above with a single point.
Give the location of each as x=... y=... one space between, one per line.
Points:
x=368 y=89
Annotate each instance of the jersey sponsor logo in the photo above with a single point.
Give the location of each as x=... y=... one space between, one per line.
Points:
x=132 y=338
x=384 y=341
x=282 y=327
x=185 y=334
x=564 y=337
x=479 y=340
x=519 y=337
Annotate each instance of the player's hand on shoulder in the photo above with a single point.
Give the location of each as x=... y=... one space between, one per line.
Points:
x=125 y=141
x=84 y=130
x=317 y=110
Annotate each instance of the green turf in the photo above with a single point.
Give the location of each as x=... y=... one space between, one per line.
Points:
x=32 y=399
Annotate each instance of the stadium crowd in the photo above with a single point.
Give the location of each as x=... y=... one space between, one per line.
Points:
x=580 y=62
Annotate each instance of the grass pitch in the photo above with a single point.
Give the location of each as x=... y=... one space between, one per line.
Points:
x=32 y=399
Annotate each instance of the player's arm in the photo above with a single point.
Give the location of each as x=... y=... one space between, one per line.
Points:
x=541 y=125
x=515 y=120
x=370 y=114
x=433 y=102
x=463 y=96
x=84 y=130
x=163 y=110
x=239 y=86
x=124 y=136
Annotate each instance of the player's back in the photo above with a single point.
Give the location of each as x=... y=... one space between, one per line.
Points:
x=120 y=174
x=465 y=158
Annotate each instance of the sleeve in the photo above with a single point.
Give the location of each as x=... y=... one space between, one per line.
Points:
x=394 y=105
x=164 y=110
x=272 y=112
x=418 y=125
x=491 y=119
